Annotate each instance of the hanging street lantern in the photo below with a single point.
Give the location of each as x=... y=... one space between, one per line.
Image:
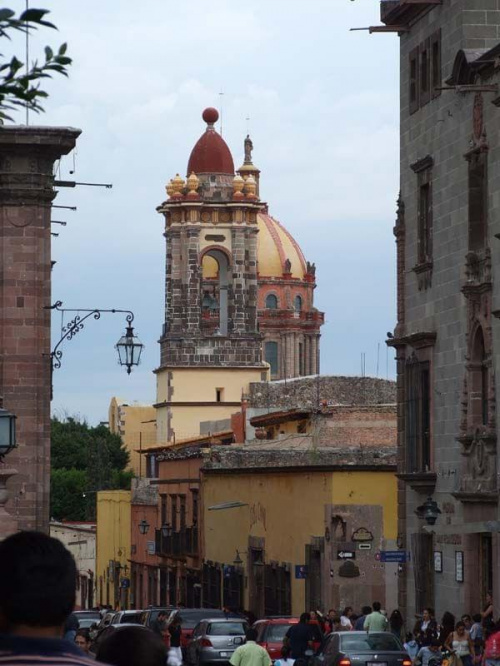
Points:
x=129 y=349
x=7 y=431
x=144 y=526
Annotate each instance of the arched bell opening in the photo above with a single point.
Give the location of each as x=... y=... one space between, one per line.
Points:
x=214 y=292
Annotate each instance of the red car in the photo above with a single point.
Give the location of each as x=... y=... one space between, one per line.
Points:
x=271 y=633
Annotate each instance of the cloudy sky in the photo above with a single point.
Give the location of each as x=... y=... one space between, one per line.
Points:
x=322 y=104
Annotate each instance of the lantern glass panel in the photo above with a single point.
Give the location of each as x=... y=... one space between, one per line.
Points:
x=7 y=431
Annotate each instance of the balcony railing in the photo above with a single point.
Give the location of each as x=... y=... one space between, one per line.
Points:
x=178 y=544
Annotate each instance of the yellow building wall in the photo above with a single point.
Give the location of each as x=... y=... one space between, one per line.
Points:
x=193 y=386
x=112 y=543
x=136 y=424
x=378 y=488
x=287 y=509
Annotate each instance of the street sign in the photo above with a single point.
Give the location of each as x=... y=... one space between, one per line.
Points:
x=364 y=546
x=300 y=571
x=346 y=554
x=399 y=556
x=125 y=583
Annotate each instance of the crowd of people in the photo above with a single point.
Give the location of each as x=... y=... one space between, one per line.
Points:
x=473 y=640
x=37 y=597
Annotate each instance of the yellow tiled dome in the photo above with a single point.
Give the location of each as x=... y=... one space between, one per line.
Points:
x=274 y=246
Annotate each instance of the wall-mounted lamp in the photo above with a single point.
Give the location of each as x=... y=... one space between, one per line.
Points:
x=144 y=526
x=428 y=511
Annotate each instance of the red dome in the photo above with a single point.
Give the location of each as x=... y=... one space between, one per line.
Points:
x=211 y=154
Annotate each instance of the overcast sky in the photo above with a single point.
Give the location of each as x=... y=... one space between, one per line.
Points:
x=322 y=104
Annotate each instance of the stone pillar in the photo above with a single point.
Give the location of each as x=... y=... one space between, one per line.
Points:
x=307 y=369
x=318 y=364
x=238 y=313
x=173 y=282
x=192 y=280
x=251 y=278
x=27 y=156
x=314 y=355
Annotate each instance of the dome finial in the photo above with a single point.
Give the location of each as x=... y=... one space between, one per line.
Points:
x=210 y=116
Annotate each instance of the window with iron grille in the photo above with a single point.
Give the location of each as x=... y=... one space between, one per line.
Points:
x=417 y=415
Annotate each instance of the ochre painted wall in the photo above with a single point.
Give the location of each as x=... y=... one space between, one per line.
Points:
x=379 y=488
x=113 y=539
x=198 y=385
x=136 y=424
x=287 y=509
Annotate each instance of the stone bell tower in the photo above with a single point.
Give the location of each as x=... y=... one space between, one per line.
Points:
x=210 y=346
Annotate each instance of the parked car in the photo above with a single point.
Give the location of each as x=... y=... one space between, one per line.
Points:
x=271 y=632
x=359 y=648
x=128 y=617
x=150 y=614
x=190 y=617
x=214 y=640
x=86 y=618
x=109 y=630
x=98 y=628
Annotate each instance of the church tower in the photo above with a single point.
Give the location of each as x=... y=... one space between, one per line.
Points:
x=211 y=348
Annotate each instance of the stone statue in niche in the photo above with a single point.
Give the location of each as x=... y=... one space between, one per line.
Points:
x=248 y=150
x=479 y=473
x=339 y=528
x=288 y=266
x=311 y=268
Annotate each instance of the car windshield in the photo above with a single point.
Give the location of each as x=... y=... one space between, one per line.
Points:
x=131 y=618
x=369 y=642
x=226 y=629
x=275 y=633
x=190 y=618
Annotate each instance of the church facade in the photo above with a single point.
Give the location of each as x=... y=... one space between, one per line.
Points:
x=447 y=335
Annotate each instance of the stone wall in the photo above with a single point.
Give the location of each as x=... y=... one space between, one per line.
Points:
x=27 y=156
x=273 y=456
x=312 y=392
x=442 y=130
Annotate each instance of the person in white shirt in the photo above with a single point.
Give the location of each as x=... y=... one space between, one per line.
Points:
x=345 y=620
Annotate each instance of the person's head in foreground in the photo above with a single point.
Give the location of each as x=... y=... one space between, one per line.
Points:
x=82 y=639
x=251 y=634
x=37 y=585
x=132 y=646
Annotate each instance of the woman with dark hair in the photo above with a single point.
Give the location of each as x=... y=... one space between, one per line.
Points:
x=487 y=613
x=426 y=629
x=132 y=646
x=460 y=643
x=396 y=624
x=447 y=626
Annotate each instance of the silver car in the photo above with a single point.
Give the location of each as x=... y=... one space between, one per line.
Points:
x=214 y=641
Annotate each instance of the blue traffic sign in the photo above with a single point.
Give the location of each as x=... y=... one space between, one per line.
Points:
x=399 y=556
x=300 y=571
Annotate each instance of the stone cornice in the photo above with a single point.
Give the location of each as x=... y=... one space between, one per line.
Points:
x=27 y=155
x=423 y=164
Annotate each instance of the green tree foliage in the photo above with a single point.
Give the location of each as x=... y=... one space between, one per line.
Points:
x=20 y=82
x=84 y=459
